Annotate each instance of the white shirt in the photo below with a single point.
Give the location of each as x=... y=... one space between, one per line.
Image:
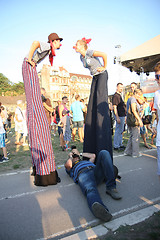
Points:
x=19 y=114
x=157 y=107
x=1 y=126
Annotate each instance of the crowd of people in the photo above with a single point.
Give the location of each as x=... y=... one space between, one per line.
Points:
x=93 y=121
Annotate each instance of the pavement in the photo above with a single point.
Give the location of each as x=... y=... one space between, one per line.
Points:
x=61 y=211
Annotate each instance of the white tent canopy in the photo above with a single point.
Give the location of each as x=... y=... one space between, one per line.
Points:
x=145 y=56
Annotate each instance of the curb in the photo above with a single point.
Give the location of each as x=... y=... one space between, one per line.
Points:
x=129 y=219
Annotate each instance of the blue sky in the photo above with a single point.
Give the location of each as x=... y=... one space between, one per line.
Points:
x=108 y=23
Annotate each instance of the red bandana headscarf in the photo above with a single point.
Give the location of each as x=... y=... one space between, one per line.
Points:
x=52 y=54
x=86 y=40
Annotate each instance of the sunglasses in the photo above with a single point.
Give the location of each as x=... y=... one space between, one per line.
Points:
x=157 y=76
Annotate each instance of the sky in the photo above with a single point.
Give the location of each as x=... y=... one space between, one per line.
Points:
x=108 y=23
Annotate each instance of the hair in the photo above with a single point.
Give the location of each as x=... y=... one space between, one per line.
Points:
x=19 y=102
x=119 y=84
x=134 y=83
x=83 y=43
x=77 y=96
x=64 y=97
x=138 y=91
x=73 y=147
x=157 y=67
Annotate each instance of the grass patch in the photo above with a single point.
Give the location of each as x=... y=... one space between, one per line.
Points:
x=21 y=156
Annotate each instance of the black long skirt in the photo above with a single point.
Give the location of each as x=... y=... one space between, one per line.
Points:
x=97 y=133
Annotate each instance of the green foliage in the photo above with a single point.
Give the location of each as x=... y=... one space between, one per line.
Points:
x=9 y=88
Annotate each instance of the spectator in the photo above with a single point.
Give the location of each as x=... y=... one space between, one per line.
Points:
x=133 y=86
x=57 y=111
x=88 y=176
x=153 y=110
x=4 y=115
x=111 y=115
x=132 y=148
x=62 y=106
x=2 y=141
x=65 y=123
x=154 y=128
x=77 y=108
x=141 y=104
x=47 y=106
x=157 y=107
x=143 y=128
x=147 y=114
x=19 y=118
x=119 y=110
x=84 y=113
x=25 y=131
x=9 y=119
x=53 y=122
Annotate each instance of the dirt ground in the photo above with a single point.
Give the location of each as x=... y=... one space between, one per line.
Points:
x=147 y=230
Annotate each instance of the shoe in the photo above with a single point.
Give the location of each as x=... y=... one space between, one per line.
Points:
x=1 y=161
x=63 y=148
x=148 y=147
x=126 y=154
x=67 y=149
x=113 y=193
x=18 y=143
x=5 y=159
x=140 y=155
x=122 y=147
x=101 y=212
x=24 y=144
x=116 y=149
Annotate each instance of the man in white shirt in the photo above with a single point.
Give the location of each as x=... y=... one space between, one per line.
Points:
x=157 y=107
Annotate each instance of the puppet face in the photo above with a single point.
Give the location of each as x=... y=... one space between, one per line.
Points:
x=57 y=44
x=77 y=47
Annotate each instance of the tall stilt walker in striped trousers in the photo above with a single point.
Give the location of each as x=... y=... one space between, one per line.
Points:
x=43 y=162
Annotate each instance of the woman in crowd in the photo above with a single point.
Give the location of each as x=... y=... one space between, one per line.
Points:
x=38 y=127
x=132 y=148
x=97 y=134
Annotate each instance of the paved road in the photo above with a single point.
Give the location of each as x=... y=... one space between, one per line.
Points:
x=30 y=212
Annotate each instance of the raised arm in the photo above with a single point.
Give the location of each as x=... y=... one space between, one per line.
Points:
x=91 y=156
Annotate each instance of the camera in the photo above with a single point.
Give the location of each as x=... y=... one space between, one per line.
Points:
x=74 y=155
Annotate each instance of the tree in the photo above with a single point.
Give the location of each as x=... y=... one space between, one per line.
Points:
x=10 y=88
x=18 y=87
x=5 y=84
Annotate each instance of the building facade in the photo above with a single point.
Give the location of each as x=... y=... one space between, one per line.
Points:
x=58 y=82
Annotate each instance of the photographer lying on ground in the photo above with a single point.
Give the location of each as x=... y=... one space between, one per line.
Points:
x=88 y=176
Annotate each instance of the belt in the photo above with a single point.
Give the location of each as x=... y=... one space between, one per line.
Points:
x=84 y=169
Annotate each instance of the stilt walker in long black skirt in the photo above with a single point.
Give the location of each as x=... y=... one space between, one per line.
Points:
x=97 y=133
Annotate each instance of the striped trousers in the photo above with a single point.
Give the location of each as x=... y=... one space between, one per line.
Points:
x=37 y=124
